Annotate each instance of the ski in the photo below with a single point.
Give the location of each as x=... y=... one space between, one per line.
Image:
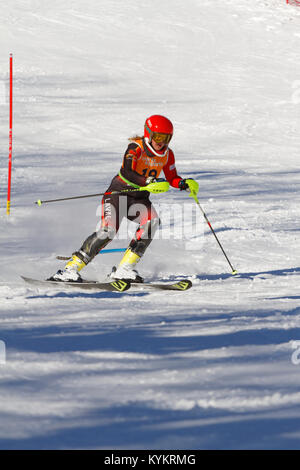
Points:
x=180 y=286
x=119 y=285
x=113 y=286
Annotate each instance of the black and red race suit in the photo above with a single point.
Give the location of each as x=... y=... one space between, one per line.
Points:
x=139 y=163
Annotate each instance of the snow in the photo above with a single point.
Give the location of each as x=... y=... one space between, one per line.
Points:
x=216 y=367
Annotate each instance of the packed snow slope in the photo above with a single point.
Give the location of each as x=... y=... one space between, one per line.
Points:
x=216 y=367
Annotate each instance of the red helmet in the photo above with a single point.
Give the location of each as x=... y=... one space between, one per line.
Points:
x=157 y=124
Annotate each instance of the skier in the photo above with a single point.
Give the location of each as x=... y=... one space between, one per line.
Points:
x=143 y=161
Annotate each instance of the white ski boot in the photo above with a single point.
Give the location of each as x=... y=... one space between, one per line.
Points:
x=71 y=271
x=125 y=274
x=126 y=270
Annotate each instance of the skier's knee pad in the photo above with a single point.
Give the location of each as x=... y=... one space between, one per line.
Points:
x=149 y=228
x=106 y=232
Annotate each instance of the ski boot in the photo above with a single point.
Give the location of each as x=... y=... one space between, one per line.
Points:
x=125 y=270
x=71 y=271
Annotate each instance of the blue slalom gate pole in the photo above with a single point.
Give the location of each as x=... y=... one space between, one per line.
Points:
x=112 y=250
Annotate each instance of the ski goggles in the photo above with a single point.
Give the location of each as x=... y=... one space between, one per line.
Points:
x=161 y=138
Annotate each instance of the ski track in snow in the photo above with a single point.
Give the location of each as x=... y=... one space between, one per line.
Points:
x=215 y=367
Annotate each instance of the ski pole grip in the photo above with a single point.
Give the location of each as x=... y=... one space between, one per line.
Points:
x=156 y=187
x=193 y=187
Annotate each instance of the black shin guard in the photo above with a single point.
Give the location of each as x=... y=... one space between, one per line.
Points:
x=140 y=245
x=93 y=244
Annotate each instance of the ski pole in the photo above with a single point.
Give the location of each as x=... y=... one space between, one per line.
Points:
x=233 y=271
x=157 y=187
x=39 y=202
x=193 y=193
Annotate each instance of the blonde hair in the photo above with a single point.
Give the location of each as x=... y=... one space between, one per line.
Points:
x=136 y=137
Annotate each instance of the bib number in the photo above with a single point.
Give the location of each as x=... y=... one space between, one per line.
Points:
x=147 y=172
